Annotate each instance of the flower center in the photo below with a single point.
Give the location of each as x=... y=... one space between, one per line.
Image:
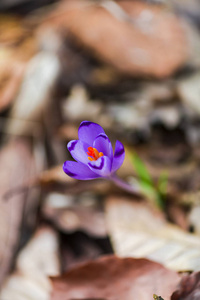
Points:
x=94 y=154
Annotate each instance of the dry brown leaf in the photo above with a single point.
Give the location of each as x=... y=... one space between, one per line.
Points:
x=134 y=37
x=11 y=73
x=40 y=77
x=189 y=288
x=10 y=88
x=12 y=30
x=55 y=174
x=137 y=230
x=17 y=46
x=56 y=178
x=38 y=260
x=17 y=168
x=16 y=39
x=114 y=278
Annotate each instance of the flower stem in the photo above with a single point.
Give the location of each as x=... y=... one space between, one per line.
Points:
x=133 y=189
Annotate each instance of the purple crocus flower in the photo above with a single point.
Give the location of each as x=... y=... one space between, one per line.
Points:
x=93 y=154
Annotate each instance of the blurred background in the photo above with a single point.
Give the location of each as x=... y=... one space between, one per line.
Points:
x=134 y=68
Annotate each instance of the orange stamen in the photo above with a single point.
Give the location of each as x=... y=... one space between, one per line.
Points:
x=94 y=154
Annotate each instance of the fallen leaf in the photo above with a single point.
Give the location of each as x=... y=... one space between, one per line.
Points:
x=189 y=288
x=56 y=178
x=112 y=278
x=137 y=230
x=12 y=30
x=39 y=79
x=53 y=175
x=9 y=90
x=17 y=46
x=142 y=35
x=17 y=168
x=38 y=260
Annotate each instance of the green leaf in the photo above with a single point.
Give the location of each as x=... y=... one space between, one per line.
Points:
x=146 y=182
x=141 y=169
x=162 y=183
x=155 y=193
x=162 y=190
x=148 y=190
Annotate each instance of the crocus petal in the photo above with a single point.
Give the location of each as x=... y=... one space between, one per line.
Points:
x=78 y=150
x=88 y=131
x=119 y=156
x=103 y=144
x=78 y=170
x=102 y=166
